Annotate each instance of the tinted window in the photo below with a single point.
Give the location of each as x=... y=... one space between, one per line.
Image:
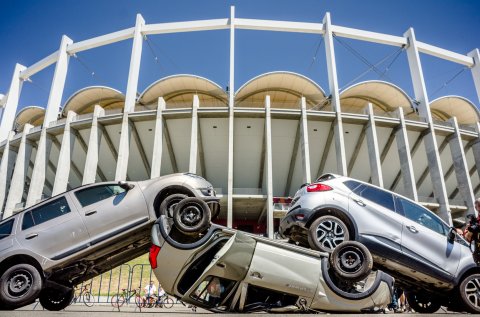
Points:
x=352 y=184
x=6 y=229
x=422 y=216
x=95 y=194
x=212 y=290
x=376 y=195
x=46 y=212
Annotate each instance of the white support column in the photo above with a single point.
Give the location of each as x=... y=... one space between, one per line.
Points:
x=123 y=150
x=268 y=157
x=476 y=70
x=134 y=71
x=373 y=151
x=91 y=161
x=231 y=104
x=335 y=96
x=58 y=83
x=307 y=178
x=430 y=141
x=461 y=168
x=10 y=108
x=194 y=136
x=64 y=157
x=6 y=167
x=476 y=149
x=158 y=140
x=406 y=165
x=17 y=184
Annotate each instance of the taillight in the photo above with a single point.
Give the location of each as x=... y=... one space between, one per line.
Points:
x=318 y=187
x=154 y=250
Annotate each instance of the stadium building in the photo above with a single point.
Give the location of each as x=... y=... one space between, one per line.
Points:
x=256 y=143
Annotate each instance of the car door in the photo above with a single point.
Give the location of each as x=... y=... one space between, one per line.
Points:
x=109 y=210
x=54 y=229
x=425 y=242
x=379 y=225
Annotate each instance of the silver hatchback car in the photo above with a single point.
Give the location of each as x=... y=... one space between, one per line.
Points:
x=48 y=248
x=425 y=255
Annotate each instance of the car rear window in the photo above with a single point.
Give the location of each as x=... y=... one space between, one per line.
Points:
x=6 y=229
x=46 y=212
x=352 y=184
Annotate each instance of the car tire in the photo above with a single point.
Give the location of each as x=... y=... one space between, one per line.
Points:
x=351 y=261
x=192 y=216
x=20 y=285
x=168 y=204
x=55 y=300
x=469 y=290
x=326 y=232
x=423 y=303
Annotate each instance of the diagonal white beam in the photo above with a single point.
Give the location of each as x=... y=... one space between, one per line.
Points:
x=368 y=36
x=101 y=40
x=283 y=26
x=10 y=108
x=187 y=26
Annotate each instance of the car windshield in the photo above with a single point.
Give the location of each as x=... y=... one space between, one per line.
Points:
x=212 y=291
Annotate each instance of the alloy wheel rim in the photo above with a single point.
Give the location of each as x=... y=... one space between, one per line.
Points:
x=472 y=292
x=330 y=234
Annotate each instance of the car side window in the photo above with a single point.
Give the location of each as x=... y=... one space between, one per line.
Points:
x=46 y=212
x=6 y=229
x=352 y=184
x=95 y=194
x=422 y=216
x=376 y=195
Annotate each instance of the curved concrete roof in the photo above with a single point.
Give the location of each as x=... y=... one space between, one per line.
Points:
x=84 y=100
x=284 y=88
x=446 y=107
x=33 y=115
x=178 y=91
x=384 y=96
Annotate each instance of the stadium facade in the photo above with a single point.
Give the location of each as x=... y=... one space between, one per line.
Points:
x=257 y=143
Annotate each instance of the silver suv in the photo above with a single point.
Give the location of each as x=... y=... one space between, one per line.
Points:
x=47 y=249
x=424 y=254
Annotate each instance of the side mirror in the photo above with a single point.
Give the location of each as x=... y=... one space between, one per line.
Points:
x=451 y=235
x=125 y=185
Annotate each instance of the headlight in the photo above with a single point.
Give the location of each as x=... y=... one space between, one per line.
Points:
x=208 y=191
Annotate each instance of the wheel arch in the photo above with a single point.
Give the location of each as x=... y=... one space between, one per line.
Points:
x=19 y=259
x=167 y=191
x=337 y=212
x=469 y=271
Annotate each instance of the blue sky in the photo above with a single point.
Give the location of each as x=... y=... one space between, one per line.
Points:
x=31 y=30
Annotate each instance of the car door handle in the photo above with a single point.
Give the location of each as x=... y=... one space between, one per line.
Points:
x=91 y=212
x=359 y=202
x=412 y=229
x=31 y=236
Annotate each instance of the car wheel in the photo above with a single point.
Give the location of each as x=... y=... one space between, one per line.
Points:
x=168 y=204
x=191 y=216
x=55 y=300
x=423 y=303
x=470 y=293
x=326 y=233
x=20 y=285
x=352 y=261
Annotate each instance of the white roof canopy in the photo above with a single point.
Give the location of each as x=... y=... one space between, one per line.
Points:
x=447 y=107
x=84 y=100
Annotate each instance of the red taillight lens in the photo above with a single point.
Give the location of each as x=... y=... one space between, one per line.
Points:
x=154 y=250
x=318 y=187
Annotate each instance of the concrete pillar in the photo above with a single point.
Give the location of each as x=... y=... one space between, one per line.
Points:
x=231 y=104
x=430 y=141
x=65 y=157
x=3 y=100
x=475 y=54
x=406 y=166
x=6 y=167
x=373 y=151
x=194 y=136
x=91 y=161
x=158 y=140
x=10 y=108
x=461 y=168
x=134 y=71
x=307 y=178
x=268 y=157
x=37 y=182
x=476 y=148
x=335 y=96
x=58 y=83
x=123 y=150
x=17 y=184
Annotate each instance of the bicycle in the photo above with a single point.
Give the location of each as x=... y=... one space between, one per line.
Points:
x=159 y=302
x=119 y=299
x=85 y=296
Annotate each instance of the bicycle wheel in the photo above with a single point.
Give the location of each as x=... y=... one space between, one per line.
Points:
x=138 y=301
x=167 y=302
x=88 y=299
x=118 y=300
